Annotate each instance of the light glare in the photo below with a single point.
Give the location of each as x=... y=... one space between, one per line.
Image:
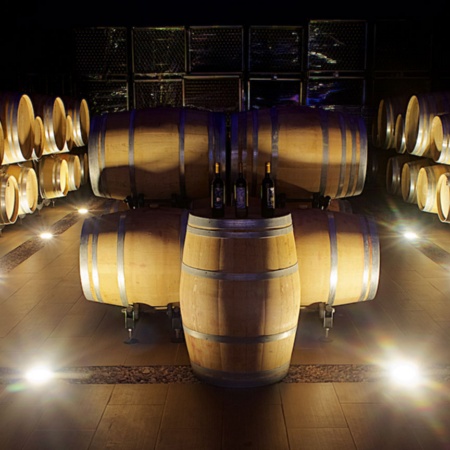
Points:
x=46 y=235
x=39 y=375
x=405 y=374
x=82 y=210
x=410 y=235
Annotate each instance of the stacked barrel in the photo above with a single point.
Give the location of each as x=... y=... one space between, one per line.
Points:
x=38 y=134
x=240 y=283
x=417 y=128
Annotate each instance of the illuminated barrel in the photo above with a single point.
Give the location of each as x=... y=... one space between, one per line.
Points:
x=9 y=199
x=240 y=298
x=410 y=172
x=17 y=120
x=427 y=181
x=78 y=110
x=394 y=173
x=311 y=150
x=443 y=197
x=440 y=138
x=158 y=153
x=52 y=111
x=74 y=170
x=53 y=175
x=420 y=112
x=133 y=256
x=388 y=110
x=28 y=187
x=338 y=256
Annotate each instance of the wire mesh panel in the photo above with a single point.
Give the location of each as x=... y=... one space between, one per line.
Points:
x=215 y=93
x=159 y=50
x=335 y=91
x=154 y=93
x=105 y=96
x=275 y=49
x=337 y=45
x=267 y=92
x=101 y=51
x=215 y=49
x=402 y=45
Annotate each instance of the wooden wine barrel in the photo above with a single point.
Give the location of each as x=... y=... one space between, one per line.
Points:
x=17 y=120
x=133 y=256
x=239 y=298
x=74 y=170
x=338 y=256
x=156 y=152
x=52 y=111
x=39 y=138
x=440 y=138
x=311 y=150
x=27 y=185
x=399 y=134
x=420 y=112
x=443 y=197
x=410 y=172
x=69 y=134
x=78 y=110
x=53 y=175
x=394 y=173
x=388 y=110
x=426 y=186
x=9 y=199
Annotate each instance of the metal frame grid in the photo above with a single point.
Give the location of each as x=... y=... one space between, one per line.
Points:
x=101 y=52
x=331 y=91
x=159 y=50
x=266 y=92
x=105 y=96
x=215 y=49
x=216 y=93
x=276 y=49
x=158 y=92
x=337 y=45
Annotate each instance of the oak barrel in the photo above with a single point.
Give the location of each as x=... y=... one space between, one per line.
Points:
x=155 y=152
x=427 y=181
x=53 y=175
x=338 y=256
x=239 y=298
x=9 y=198
x=27 y=182
x=17 y=120
x=311 y=150
x=133 y=256
x=443 y=197
x=410 y=172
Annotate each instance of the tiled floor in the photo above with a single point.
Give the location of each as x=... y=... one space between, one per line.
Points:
x=46 y=318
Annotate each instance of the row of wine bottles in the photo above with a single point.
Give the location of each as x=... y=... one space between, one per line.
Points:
x=240 y=194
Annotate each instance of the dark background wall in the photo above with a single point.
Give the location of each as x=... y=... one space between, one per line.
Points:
x=114 y=54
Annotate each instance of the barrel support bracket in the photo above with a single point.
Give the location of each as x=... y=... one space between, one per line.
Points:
x=326 y=313
x=174 y=313
x=131 y=314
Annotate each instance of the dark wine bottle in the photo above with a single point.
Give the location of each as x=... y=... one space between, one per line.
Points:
x=240 y=195
x=217 y=193
x=267 y=194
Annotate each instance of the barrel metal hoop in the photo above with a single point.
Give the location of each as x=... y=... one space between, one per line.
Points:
x=198 y=222
x=249 y=340
x=242 y=234
x=333 y=258
x=257 y=276
x=131 y=165
x=363 y=158
x=374 y=256
x=340 y=187
x=323 y=115
x=95 y=275
x=121 y=259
